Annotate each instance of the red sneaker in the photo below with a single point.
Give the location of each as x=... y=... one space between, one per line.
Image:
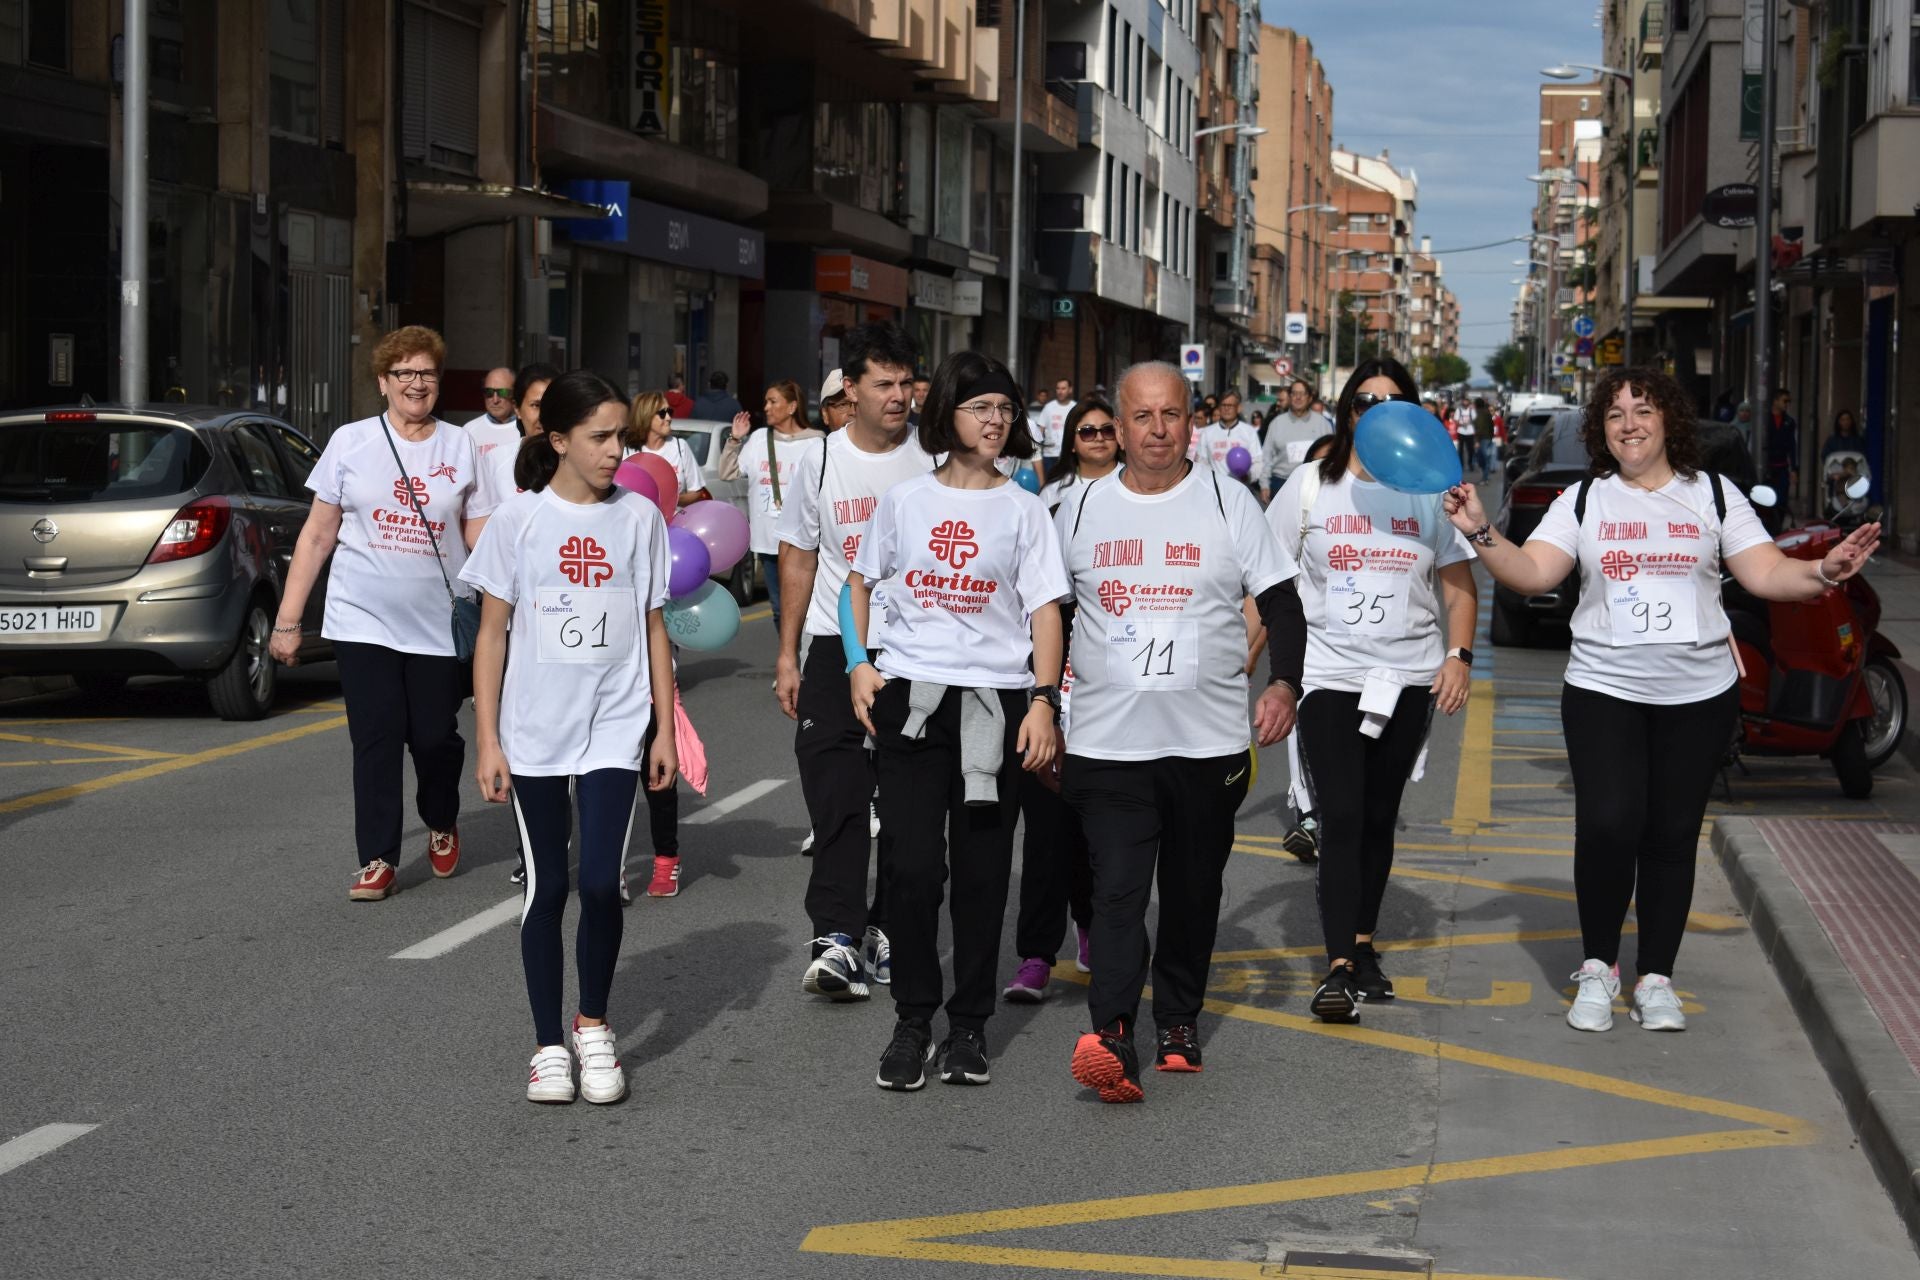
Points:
x=443 y=851
x=666 y=878
x=1104 y=1061
x=374 y=882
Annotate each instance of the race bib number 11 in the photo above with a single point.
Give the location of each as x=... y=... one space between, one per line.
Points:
x=1155 y=656
x=580 y=625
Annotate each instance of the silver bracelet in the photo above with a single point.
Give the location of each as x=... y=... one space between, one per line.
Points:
x=286 y=631
x=1820 y=572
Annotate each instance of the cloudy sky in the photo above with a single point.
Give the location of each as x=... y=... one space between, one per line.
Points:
x=1451 y=87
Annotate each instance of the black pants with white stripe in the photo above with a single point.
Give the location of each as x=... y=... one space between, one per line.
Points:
x=837 y=778
x=545 y=810
x=1174 y=817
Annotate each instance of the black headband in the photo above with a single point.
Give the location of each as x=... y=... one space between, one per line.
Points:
x=989 y=382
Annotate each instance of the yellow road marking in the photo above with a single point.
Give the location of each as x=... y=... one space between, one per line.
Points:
x=171 y=765
x=26 y=764
x=1401 y=944
x=68 y=720
x=754 y=615
x=1472 y=787
x=105 y=748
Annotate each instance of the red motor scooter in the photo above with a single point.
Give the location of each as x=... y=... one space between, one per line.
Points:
x=1817 y=677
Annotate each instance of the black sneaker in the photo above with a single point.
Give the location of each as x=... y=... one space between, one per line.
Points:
x=1105 y=1062
x=519 y=873
x=1367 y=977
x=1179 y=1048
x=1303 y=839
x=1337 y=997
x=904 y=1065
x=963 y=1057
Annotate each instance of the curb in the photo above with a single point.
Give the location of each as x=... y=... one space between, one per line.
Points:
x=1877 y=1086
x=16 y=688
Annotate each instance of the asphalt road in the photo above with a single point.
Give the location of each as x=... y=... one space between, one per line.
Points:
x=260 y=1084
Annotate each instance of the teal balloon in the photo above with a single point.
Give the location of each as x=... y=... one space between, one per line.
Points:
x=1027 y=478
x=706 y=618
x=1405 y=448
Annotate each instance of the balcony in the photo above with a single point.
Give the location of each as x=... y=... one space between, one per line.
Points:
x=1090 y=105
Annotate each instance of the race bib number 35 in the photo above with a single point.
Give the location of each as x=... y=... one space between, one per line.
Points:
x=578 y=625
x=1155 y=656
x=1653 y=612
x=1367 y=604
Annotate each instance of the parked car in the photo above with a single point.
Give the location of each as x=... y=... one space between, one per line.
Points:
x=1524 y=431
x=142 y=541
x=707 y=437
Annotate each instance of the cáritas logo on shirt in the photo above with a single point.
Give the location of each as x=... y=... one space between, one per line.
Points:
x=409 y=494
x=583 y=562
x=954 y=543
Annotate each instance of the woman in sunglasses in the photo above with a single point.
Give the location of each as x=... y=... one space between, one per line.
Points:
x=1092 y=450
x=1388 y=591
x=650 y=430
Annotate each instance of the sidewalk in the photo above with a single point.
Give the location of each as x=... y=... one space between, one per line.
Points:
x=1835 y=906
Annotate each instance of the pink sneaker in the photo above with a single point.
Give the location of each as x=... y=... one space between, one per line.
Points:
x=1029 y=985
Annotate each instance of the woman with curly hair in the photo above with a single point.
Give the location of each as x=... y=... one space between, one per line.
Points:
x=1650 y=699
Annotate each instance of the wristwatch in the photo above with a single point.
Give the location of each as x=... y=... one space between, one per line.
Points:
x=1465 y=656
x=1047 y=693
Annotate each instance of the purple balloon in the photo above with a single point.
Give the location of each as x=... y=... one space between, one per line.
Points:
x=720 y=526
x=691 y=563
x=1239 y=462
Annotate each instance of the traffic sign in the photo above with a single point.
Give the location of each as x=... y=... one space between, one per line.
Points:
x=1583 y=347
x=1295 y=332
x=1283 y=366
x=1193 y=361
x=1063 y=308
x=1583 y=326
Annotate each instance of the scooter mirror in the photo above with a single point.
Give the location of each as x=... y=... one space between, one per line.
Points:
x=1762 y=495
x=1858 y=489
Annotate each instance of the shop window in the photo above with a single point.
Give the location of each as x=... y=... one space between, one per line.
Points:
x=704 y=84
x=981 y=236
x=856 y=151
x=38 y=33
x=575 y=58
x=440 y=104
x=306 y=66
x=950 y=187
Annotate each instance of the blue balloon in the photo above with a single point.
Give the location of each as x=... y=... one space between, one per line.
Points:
x=1406 y=448
x=1027 y=478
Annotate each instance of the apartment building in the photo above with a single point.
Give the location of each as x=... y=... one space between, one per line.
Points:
x=1433 y=312
x=1370 y=260
x=1292 y=189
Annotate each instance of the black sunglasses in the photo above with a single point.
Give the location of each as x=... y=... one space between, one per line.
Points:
x=1102 y=431
x=1365 y=400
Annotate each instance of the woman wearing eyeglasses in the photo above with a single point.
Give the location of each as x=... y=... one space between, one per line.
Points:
x=399 y=500
x=1387 y=586
x=650 y=430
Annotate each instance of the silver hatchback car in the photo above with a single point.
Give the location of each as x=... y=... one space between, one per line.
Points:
x=152 y=540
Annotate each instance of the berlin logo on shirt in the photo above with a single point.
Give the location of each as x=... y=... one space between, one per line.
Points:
x=444 y=469
x=1677 y=529
x=1183 y=555
x=1345 y=558
x=583 y=562
x=410 y=495
x=1114 y=597
x=1618 y=565
x=1409 y=527
x=953 y=543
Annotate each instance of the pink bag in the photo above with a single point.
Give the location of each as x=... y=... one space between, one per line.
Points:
x=693 y=753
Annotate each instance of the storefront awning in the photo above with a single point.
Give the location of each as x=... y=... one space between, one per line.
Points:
x=435 y=208
x=1264 y=373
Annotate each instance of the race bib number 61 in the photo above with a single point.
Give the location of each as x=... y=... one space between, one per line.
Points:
x=582 y=625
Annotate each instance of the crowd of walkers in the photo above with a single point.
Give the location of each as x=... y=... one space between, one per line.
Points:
x=965 y=659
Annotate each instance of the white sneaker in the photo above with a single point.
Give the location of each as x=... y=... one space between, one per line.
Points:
x=550 y=1077
x=626 y=894
x=1593 y=1005
x=806 y=846
x=873 y=821
x=601 y=1079
x=1655 y=1006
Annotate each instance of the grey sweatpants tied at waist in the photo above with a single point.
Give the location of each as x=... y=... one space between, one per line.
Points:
x=982 y=726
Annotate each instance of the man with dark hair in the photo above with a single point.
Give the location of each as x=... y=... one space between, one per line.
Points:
x=837 y=484
x=1289 y=435
x=921 y=381
x=1783 y=449
x=715 y=405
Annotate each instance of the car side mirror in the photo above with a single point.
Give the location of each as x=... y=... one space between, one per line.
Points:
x=1859 y=488
x=1762 y=495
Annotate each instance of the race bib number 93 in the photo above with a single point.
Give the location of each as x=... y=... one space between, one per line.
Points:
x=1653 y=612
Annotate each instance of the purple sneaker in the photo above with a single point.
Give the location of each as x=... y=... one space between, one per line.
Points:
x=1080 y=962
x=1029 y=986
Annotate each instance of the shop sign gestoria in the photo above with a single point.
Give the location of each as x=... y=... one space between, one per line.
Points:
x=651 y=90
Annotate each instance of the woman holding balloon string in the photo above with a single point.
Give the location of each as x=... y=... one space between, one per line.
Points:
x=650 y=430
x=577 y=569
x=1388 y=591
x=963 y=694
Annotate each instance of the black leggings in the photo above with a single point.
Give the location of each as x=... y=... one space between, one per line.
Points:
x=1357 y=782
x=401 y=702
x=1056 y=878
x=1641 y=777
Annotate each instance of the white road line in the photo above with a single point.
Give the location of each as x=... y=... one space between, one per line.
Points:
x=509 y=909
x=37 y=1142
x=464 y=932
x=738 y=800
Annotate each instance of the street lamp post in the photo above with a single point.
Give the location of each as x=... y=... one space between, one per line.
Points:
x=1567 y=71
x=1013 y=220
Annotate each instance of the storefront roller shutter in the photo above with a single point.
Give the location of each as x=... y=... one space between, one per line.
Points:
x=440 y=120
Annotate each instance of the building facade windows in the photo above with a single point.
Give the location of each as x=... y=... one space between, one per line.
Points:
x=306 y=69
x=38 y=33
x=440 y=110
x=856 y=154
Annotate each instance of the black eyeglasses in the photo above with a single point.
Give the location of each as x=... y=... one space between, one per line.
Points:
x=1102 y=431
x=1365 y=400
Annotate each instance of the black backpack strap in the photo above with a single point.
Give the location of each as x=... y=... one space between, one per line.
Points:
x=1719 y=495
x=1218 y=501
x=822 y=486
x=1080 y=512
x=1580 y=501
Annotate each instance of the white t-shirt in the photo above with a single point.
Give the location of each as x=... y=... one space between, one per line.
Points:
x=685 y=464
x=1367 y=581
x=1159 y=642
x=385 y=586
x=967 y=567
x=581 y=579
x=489 y=435
x=1052 y=421
x=1287 y=442
x=496 y=468
x=1213 y=442
x=762 y=513
x=829 y=513
x=1650 y=626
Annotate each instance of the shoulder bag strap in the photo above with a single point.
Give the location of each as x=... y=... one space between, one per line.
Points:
x=773 y=467
x=1719 y=496
x=414 y=499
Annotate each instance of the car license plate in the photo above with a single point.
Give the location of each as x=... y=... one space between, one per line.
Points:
x=51 y=621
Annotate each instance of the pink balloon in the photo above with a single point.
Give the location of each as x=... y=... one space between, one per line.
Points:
x=632 y=476
x=665 y=479
x=721 y=526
